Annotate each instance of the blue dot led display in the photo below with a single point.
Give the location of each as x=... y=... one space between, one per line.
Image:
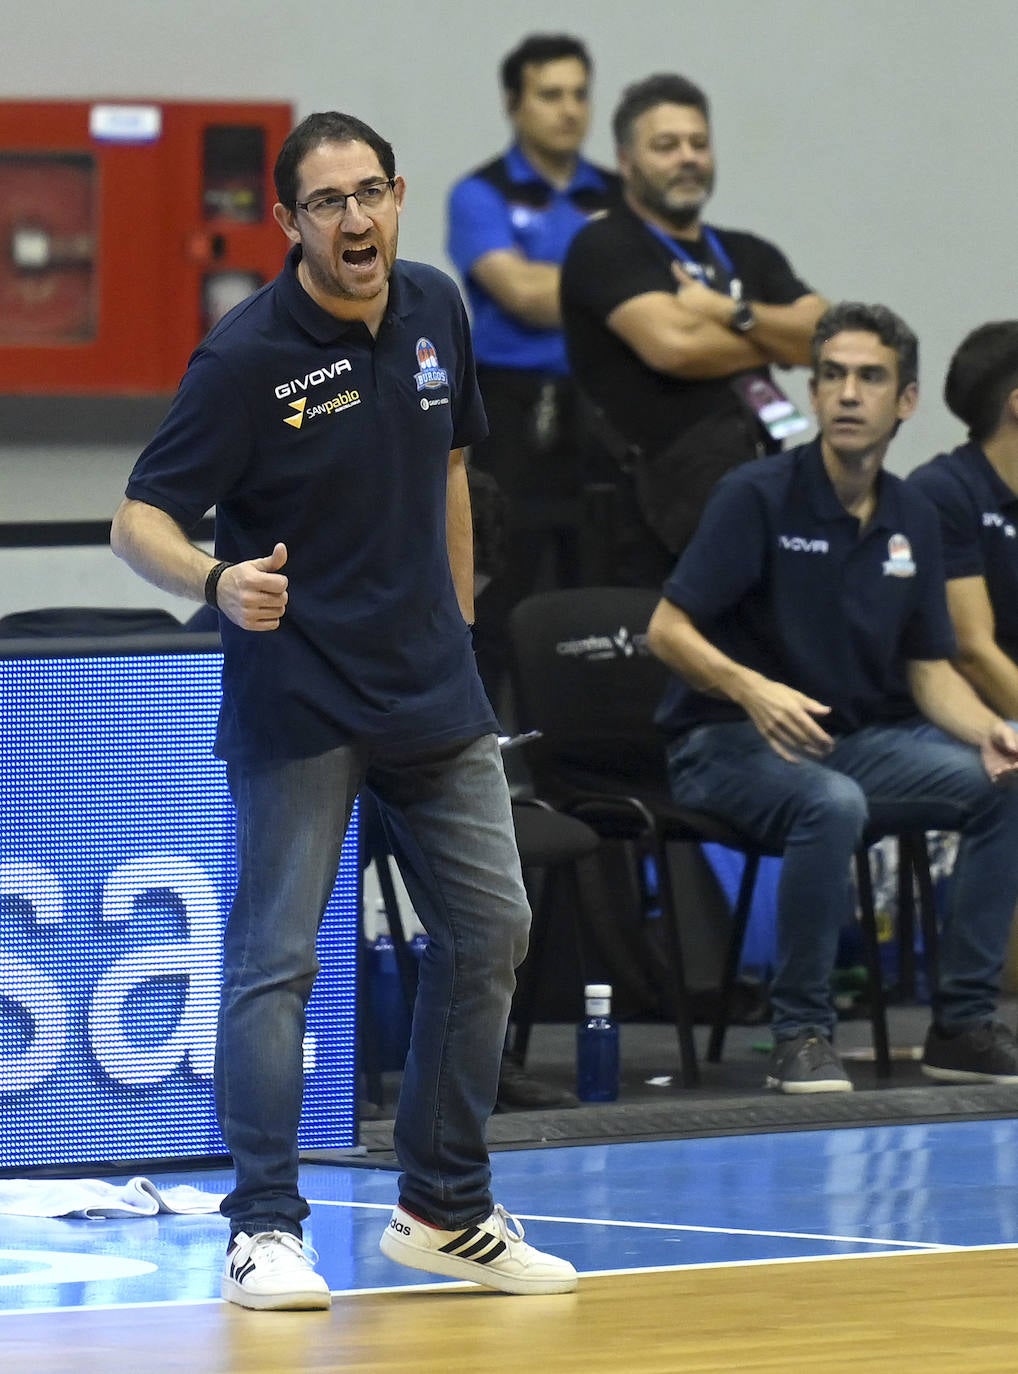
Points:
x=117 y=869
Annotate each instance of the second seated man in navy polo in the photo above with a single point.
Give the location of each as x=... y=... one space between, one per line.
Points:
x=814 y=699
x=975 y=490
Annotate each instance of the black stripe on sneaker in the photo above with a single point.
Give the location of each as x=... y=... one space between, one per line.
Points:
x=487 y=1248
x=240 y=1272
x=476 y=1245
x=464 y=1238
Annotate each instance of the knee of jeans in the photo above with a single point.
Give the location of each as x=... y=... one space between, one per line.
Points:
x=507 y=938
x=838 y=806
x=518 y=934
x=249 y=982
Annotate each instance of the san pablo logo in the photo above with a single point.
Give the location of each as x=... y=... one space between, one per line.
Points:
x=298 y=419
x=308 y=382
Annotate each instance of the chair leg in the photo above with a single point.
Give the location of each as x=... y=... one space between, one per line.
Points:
x=368 y=1059
x=733 y=953
x=906 y=919
x=878 y=1005
x=683 y=1021
x=405 y=964
x=919 y=858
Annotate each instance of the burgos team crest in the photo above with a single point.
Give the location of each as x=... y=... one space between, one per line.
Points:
x=430 y=375
x=900 y=562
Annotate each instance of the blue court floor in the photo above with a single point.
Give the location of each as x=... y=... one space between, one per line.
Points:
x=625 y=1206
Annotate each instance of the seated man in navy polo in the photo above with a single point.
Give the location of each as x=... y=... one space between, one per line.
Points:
x=975 y=490
x=814 y=697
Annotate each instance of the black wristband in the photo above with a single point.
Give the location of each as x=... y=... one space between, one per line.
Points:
x=212 y=584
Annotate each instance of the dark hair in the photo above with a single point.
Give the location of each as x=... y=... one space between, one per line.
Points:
x=890 y=329
x=981 y=375
x=535 y=50
x=666 y=88
x=327 y=127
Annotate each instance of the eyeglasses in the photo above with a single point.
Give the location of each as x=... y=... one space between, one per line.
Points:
x=331 y=207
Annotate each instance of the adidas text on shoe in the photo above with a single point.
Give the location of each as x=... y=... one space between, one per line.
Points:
x=271 y=1271
x=986 y=1053
x=490 y=1252
x=807 y=1064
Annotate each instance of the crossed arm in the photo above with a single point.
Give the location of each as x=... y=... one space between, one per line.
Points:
x=523 y=288
x=687 y=334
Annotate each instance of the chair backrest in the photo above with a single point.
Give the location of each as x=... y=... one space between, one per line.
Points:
x=583 y=675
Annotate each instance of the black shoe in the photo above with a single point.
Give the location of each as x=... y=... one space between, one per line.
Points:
x=518 y=1090
x=986 y=1053
x=807 y=1064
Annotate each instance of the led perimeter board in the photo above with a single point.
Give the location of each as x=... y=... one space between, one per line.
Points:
x=117 y=869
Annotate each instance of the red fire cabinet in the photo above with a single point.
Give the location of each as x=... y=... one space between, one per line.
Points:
x=127 y=228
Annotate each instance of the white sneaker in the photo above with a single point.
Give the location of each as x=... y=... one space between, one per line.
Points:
x=491 y=1252
x=271 y=1271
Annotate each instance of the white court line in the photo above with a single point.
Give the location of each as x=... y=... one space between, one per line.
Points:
x=698 y=1230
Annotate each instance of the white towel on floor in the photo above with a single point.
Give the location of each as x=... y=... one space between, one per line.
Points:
x=94 y=1199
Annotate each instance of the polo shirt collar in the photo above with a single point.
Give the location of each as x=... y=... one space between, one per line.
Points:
x=521 y=169
x=824 y=500
x=404 y=295
x=999 y=489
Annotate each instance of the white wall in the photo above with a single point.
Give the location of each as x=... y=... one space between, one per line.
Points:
x=873 y=141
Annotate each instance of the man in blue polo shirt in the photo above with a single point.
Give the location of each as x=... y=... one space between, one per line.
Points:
x=510 y=223
x=325 y=419
x=975 y=490
x=808 y=627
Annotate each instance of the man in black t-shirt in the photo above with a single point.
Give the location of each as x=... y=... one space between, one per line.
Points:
x=672 y=326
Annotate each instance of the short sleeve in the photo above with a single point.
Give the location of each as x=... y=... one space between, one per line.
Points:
x=479 y=223
x=726 y=557
x=602 y=270
x=779 y=284
x=959 y=527
x=929 y=633
x=470 y=424
x=202 y=447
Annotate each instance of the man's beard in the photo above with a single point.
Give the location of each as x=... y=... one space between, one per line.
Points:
x=681 y=216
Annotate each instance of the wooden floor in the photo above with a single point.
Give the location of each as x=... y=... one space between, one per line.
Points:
x=938 y=1313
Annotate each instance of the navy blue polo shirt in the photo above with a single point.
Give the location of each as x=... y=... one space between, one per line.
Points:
x=979 y=528
x=778 y=577
x=508 y=205
x=302 y=428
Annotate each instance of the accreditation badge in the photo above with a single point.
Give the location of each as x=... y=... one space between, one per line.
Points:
x=779 y=416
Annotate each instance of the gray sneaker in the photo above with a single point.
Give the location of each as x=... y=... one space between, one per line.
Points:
x=985 y=1053
x=807 y=1064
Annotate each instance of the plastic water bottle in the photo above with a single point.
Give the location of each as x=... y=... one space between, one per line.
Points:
x=597 y=1047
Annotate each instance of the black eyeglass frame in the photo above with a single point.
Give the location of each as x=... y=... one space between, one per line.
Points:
x=305 y=205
